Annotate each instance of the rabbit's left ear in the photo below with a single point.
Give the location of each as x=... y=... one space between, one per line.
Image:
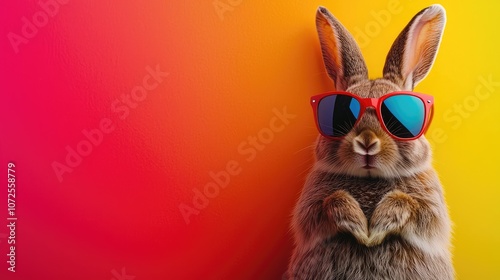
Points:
x=413 y=53
x=343 y=59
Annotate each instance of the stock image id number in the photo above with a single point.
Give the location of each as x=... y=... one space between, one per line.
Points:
x=11 y=188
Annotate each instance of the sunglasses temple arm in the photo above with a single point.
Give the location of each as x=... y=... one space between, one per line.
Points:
x=430 y=118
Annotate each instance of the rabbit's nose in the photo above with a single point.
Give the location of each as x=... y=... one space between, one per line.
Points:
x=366 y=143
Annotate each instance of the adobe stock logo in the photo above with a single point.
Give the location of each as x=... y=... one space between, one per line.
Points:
x=122 y=275
x=223 y=6
x=48 y=9
x=249 y=149
x=455 y=116
x=381 y=19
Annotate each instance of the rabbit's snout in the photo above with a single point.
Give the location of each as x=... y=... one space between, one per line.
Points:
x=366 y=143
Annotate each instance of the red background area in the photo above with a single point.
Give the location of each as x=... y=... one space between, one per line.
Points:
x=118 y=207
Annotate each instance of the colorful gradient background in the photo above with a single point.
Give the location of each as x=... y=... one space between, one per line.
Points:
x=119 y=208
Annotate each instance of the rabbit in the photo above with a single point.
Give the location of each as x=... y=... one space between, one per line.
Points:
x=388 y=222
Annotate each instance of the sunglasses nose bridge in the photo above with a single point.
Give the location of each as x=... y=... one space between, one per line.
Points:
x=372 y=102
x=369 y=102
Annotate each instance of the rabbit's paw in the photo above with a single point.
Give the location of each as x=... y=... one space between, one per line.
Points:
x=346 y=215
x=390 y=216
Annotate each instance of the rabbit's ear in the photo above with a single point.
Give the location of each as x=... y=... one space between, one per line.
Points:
x=413 y=53
x=343 y=59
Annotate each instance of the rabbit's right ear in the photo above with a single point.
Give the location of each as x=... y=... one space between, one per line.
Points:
x=413 y=53
x=341 y=54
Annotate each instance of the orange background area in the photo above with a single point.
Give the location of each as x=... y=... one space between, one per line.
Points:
x=234 y=69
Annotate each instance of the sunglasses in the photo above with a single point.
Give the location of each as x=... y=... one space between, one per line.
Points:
x=403 y=115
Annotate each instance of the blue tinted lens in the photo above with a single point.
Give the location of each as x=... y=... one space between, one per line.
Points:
x=403 y=115
x=337 y=114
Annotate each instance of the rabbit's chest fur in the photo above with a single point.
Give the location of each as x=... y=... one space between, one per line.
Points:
x=367 y=191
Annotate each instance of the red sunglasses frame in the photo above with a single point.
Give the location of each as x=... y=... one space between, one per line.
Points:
x=376 y=103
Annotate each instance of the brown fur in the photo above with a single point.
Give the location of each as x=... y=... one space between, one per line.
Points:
x=390 y=222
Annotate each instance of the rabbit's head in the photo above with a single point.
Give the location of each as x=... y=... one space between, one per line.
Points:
x=367 y=149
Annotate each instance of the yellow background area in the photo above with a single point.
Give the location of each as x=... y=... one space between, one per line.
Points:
x=465 y=81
